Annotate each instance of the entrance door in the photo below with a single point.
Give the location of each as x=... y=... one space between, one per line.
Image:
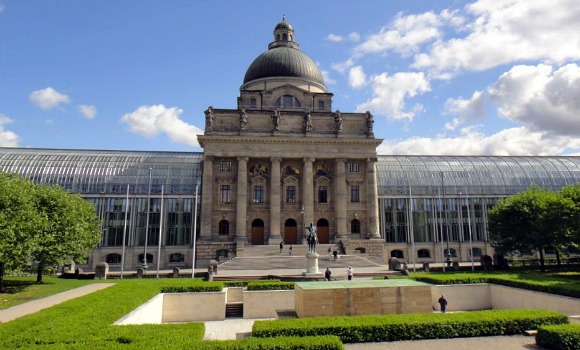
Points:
x=322 y=231
x=290 y=232
x=257 y=232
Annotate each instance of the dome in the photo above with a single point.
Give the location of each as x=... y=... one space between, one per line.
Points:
x=284 y=61
x=284 y=25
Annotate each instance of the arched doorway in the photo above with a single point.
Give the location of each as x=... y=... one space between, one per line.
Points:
x=257 y=232
x=290 y=232
x=322 y=231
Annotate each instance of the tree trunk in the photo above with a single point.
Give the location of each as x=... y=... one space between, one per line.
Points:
x=39 y=273
x=558 y=261
x=542 y=263
x=1 y=277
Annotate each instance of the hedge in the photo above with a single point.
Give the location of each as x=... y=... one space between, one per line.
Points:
x=561 y=337
x=199 y=288
x=271 y=286
x=381 y=328
x=244 y=283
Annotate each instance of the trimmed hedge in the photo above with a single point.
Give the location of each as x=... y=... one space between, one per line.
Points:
x=381 y=328
x=244 y=283
x=199 y=288
x=561 y=337
x=271 y=286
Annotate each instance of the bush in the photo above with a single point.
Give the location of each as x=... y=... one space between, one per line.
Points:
x=561 y=337
x=381 y=328
x=271 y=286
x=199 y=288
x=244 y=283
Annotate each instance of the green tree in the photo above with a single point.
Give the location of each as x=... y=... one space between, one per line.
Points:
x=530 y=221
x=68 y=228
x=572 y=192
x=18 y=220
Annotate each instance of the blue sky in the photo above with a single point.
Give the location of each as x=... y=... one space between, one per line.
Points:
x=487 y=77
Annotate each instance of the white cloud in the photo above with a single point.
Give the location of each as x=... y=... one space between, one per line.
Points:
x=149 y=121
x=343 y=66
x=507 y=31
x=334 y=37
x=390 y=92
x=354 y=36
x=466 y=109
x=357 y=77
x=2 y=7
x=48 y=98
x=508 y=142
x=7 y=138
x=404 y=35
x=88 y=111
x=327 y=78
x=541 y=98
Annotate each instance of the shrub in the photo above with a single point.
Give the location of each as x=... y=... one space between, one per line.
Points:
x=271 y=286
x=561 y=337
x=199 y=288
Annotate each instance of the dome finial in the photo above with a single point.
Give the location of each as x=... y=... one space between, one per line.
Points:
x=283 y=17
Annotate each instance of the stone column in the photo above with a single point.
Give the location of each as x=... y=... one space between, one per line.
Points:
x=340 y=198
x=206 y=199
x=242 y=200
x=307 y=193
x=275 y=236
x=372 y=199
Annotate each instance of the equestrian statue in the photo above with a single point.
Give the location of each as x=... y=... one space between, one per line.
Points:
x=312 y=239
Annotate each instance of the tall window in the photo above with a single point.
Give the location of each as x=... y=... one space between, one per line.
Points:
x=353 y=167
x=258 y=194
x=226 y=165
x=253 y=103
x=225 y=193
x=290 y=194
x=322 y=194
x=354 y=194
x=224 y=227
x=321 y=105
x=355 y=226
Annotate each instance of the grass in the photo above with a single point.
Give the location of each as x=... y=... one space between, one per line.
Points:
x=18 y=290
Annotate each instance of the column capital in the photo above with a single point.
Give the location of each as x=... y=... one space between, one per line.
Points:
x=243 y=159
x=341 y=160
x=275 y=159
x=372 y=160
x=309 y=159
x=208 y=158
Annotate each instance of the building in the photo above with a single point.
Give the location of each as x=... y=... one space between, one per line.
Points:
x=280 y=161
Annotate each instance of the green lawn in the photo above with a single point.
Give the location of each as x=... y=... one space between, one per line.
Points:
x=18 y=290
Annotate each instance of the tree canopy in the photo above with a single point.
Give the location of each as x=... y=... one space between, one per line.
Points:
x=533 y=220
x=43 y=224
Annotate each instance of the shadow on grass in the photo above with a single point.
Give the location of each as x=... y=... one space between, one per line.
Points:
x=13 y=287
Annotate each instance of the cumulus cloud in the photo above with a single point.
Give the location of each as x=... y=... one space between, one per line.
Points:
x=518 y=141
x=343 y=66
x=357 y=77
x=390 y=92
x=88 y=111
x=354 y=36
x=7 y=137
x=495 y=35
x=334 y=37
x=150 y=121
x=327 y=78
x=48 y=98
x=540 y=97
x=467 y=109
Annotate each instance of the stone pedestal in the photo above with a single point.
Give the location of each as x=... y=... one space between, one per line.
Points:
x=312 y=264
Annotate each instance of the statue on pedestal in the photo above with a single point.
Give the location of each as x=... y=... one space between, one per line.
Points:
x=312 y=238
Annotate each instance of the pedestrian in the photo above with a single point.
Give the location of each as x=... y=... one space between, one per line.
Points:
x=335 y=254
x=443 y=302
x=329 y=252
x=327 y=274
x=281 y=246
x=290 y=250
x=349 y=273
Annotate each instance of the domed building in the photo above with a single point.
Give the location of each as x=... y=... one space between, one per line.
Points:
x=281 y=160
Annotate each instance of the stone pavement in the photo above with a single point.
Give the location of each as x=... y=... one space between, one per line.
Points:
x=33 y=306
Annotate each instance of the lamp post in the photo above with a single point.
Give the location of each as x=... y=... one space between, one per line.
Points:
x=194 y=231
x=448 y=257
x=144 y=266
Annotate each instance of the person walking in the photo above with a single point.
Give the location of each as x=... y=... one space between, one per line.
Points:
x=443 y=303
x=281 y=246
x=349 y=273
x=327 y=274
x=335 y=253
x=290 y=250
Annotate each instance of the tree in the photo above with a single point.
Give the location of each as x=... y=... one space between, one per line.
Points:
x=530 y=221
x=18 y=219
x=68 y=228
x=572 y=192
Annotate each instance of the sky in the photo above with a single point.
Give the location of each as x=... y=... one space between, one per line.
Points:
x=480 y=77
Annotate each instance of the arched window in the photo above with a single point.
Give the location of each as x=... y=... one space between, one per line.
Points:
x=355 y=226
x=224 y=227
x=451 y=252
x=149 y=258
x=397 y=253
x=176 y=258
x=360 y=250
x=285 y=37
x=423 y=253
x=113 y=258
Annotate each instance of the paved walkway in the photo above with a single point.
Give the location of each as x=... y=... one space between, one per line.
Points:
x=33 y=306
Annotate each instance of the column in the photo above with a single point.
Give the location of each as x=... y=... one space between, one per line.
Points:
x=372 y=200
x=340 y=198
x=206 y=200
x=275 y=236
x=307 y=193
x=242 y=200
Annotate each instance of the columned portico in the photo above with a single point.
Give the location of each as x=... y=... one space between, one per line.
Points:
x=275 y=236
x=241 y=200
x=340 y=205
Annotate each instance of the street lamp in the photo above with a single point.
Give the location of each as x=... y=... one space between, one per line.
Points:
x=448 y=258
x=194 y=231
x=147 y=220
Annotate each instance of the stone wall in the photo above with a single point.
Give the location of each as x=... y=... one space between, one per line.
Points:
x=369 y=247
